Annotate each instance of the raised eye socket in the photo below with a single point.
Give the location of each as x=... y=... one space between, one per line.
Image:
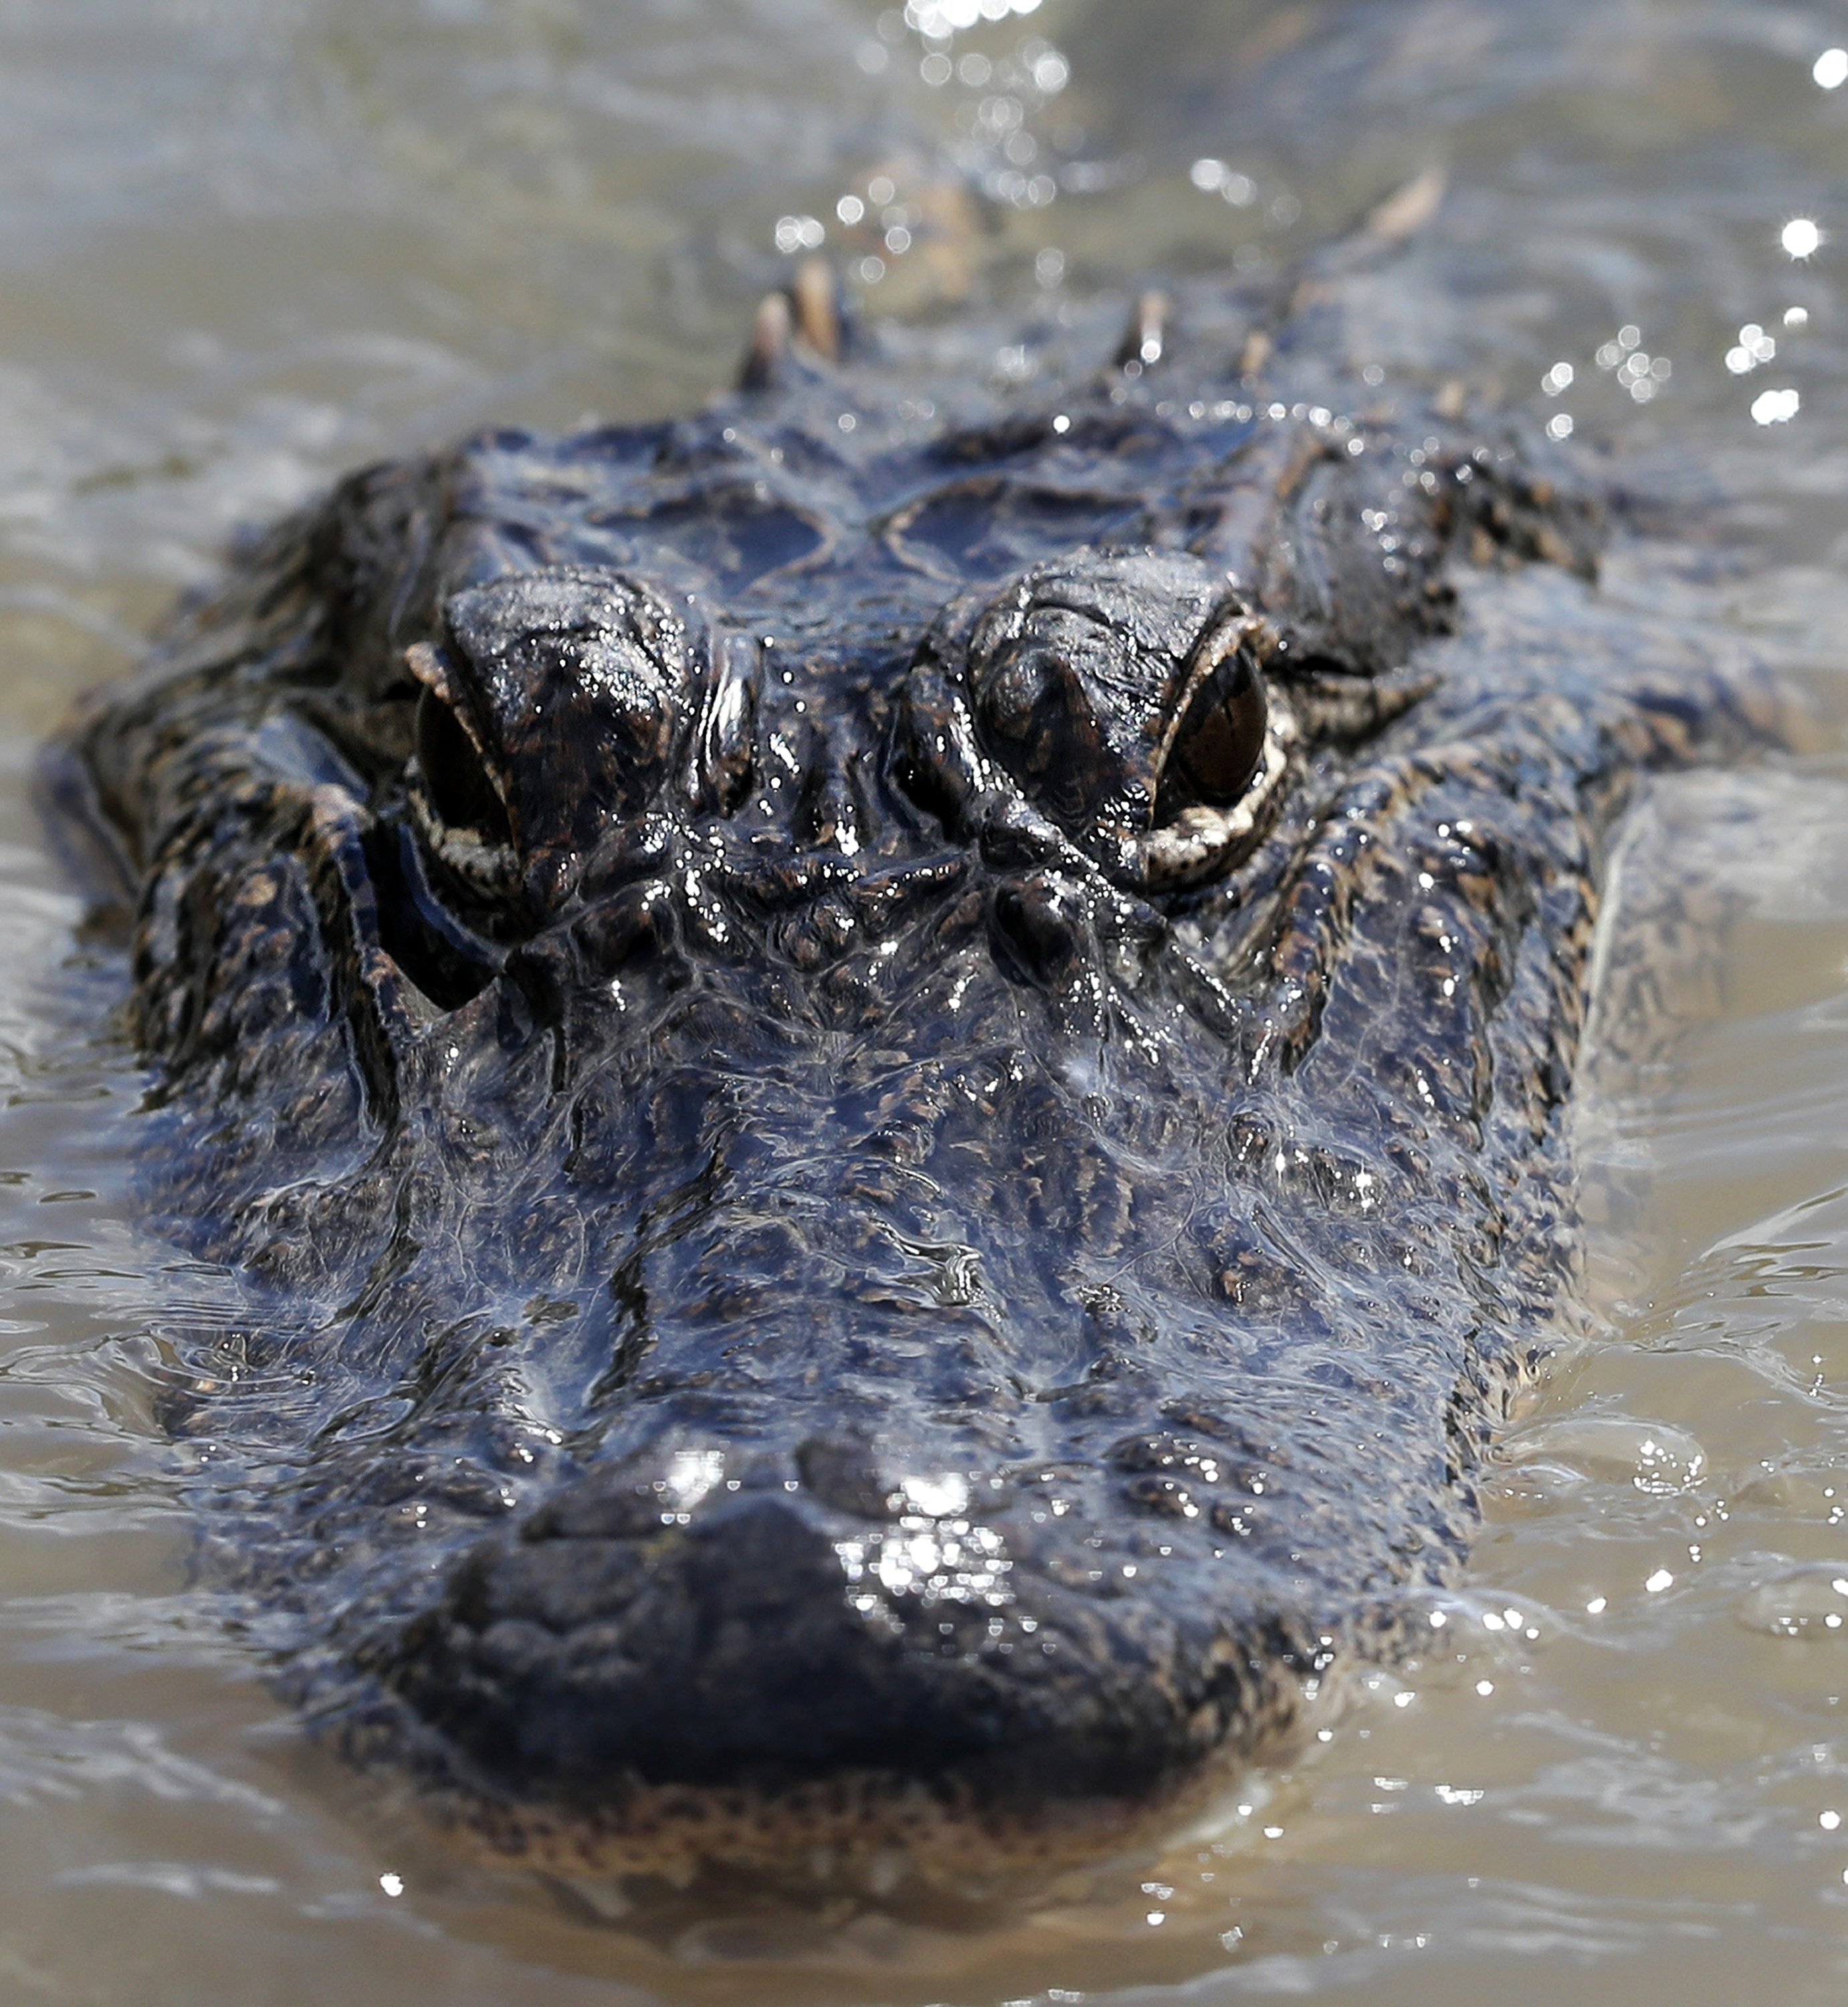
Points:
x=455 y=780
x=1218 y=745
x=1073 y=720
x=1038 y=717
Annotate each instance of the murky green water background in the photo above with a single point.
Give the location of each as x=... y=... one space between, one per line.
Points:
x=245 y=243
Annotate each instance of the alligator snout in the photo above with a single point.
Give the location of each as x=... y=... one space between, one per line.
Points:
x=589 y=1649
x=770 y=1641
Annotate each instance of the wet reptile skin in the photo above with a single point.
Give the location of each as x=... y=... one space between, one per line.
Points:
x=889 y=1070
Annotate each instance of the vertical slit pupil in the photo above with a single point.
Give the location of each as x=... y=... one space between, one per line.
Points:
x=454 y=777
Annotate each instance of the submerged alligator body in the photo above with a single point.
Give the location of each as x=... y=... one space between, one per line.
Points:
x=891 y=1075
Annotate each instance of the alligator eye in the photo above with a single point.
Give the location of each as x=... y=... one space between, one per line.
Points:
x=1217 y=740
x=1120 y=691
x=457 y=783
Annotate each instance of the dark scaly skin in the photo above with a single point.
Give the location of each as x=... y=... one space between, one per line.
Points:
x=833 y=1258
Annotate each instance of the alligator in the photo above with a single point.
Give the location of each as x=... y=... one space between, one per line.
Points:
x=887 y=1069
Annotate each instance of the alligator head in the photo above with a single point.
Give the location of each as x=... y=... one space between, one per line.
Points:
x=891 y=1086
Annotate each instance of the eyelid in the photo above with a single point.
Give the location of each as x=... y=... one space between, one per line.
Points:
x=433 y=672
x=1234 y=630
x=435 y=675
x=460 y=785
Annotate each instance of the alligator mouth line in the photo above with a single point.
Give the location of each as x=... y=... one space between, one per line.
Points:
x=873 y=1832
x=869 y=1828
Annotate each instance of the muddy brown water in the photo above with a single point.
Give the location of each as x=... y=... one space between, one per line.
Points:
x=245 y=243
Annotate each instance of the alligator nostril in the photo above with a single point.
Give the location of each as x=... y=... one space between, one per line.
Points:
x=1036 y=926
